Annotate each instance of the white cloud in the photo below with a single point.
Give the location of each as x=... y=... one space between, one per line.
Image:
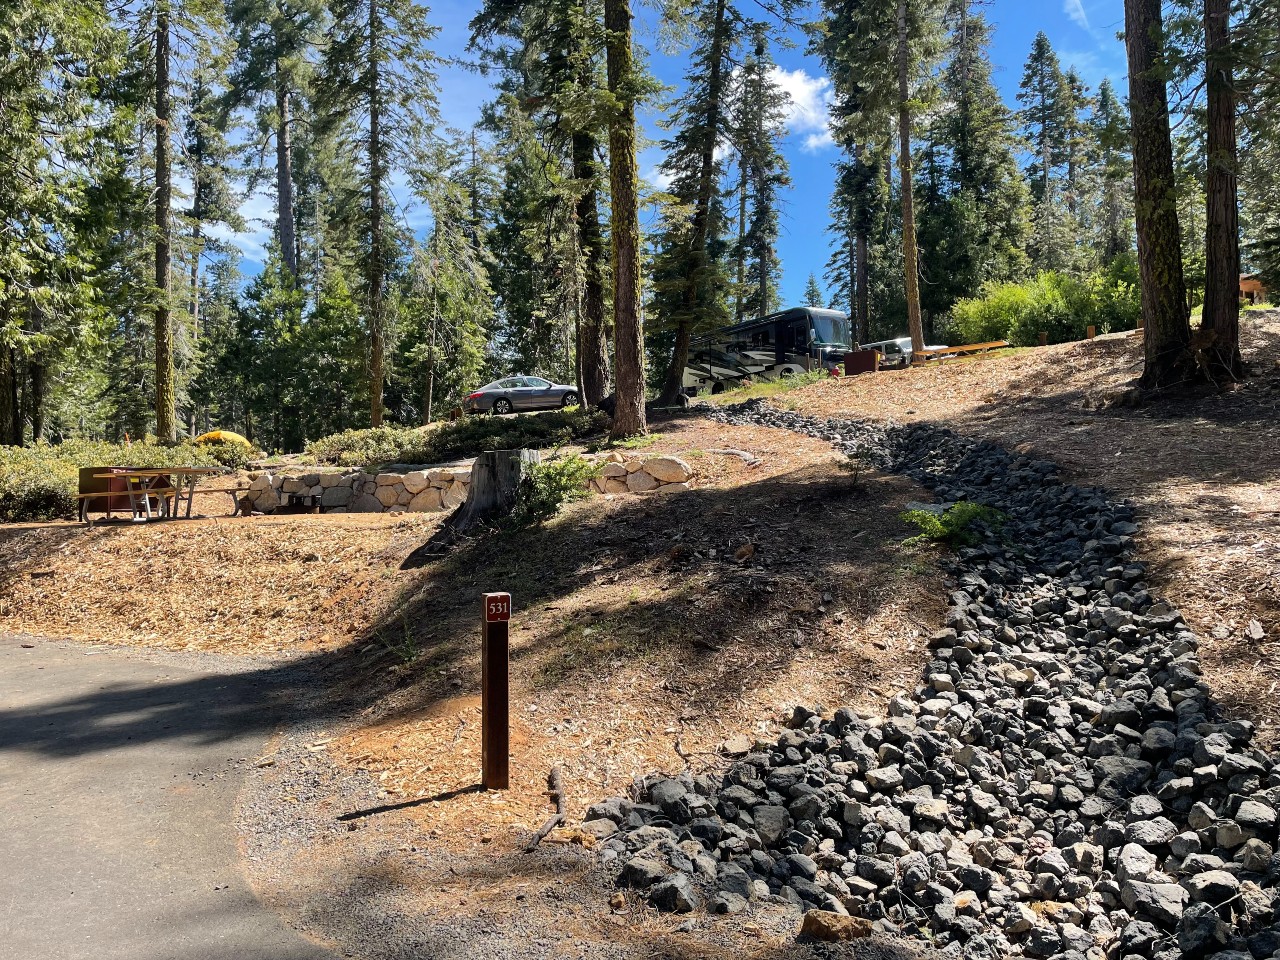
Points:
x=259 y=212
x=658 y=178
x=808 y=105
x=1075 y=10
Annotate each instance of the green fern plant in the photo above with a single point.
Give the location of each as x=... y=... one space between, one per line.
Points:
x=955 y=526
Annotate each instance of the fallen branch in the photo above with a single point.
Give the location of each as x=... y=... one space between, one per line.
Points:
x=555 y=790
x=750 y=459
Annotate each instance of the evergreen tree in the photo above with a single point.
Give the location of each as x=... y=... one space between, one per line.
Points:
x=55 y=57
x=757 y=128
x=813 y=292
x=974 y=217
x=1257 y=44
x=1051 y=100
x=535 y=275
x=1047 y=114
x=378 y=91
x=624 y=88
x=206 y=161
x=857 y=206
x=1221 y=315
x=555 y=60
x=271 y=75
x=692 y=254
x=1114 y=221
x=1164 y=306
x=880 y=56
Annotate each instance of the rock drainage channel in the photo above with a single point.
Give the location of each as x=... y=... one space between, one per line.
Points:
x=1061 y=784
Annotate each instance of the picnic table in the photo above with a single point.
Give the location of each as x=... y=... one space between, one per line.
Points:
x=140 y=487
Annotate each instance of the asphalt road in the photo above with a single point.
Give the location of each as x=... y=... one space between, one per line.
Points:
x=118 y=782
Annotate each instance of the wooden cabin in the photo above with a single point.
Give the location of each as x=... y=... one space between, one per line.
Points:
x=1251 y=289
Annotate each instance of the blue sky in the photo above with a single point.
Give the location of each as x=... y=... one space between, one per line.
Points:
x=1083 y=32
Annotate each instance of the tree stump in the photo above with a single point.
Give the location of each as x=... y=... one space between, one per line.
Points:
x=495 y=482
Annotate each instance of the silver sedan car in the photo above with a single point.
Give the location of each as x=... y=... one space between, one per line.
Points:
x=511 y=394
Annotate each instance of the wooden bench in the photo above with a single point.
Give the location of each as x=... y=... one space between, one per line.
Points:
x=161 y=493
x=234 y=493
x=925 y=356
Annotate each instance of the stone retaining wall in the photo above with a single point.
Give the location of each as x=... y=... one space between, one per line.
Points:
x=431 y=489
x=423 y=490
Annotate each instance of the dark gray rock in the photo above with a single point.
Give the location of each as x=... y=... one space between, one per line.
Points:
x=675 y=894
x=771 y=823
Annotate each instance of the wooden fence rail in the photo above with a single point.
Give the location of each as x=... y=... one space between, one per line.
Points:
x=925 y=356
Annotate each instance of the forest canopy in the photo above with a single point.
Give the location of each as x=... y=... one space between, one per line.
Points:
x=135 y=135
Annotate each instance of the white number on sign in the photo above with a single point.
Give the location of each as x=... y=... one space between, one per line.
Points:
x=499 y=608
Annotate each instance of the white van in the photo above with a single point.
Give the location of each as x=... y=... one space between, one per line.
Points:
x=895 y=353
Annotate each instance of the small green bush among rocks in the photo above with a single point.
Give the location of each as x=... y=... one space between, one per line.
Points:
x=40 y=482
x=954 y=526
x=455 y=440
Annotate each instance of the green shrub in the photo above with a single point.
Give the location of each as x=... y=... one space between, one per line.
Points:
x=548 y=486
x=1061 y=306
x=40 y=482
x=955 y=526
x=456 y=439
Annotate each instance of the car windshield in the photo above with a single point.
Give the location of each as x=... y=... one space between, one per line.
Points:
x=832 y=328
x=537 y=382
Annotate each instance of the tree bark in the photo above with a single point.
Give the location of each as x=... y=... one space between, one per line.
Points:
x=699 y=262
x=284 y=177
x=593 y=353
x=861 y=272
x=915 y=325
x=495 y=482
x=377 y=327
x=37 y=377
x=1221 y=314
x=1164 y=311
x=628 y=337
x=741 y=299
x=166 y=420
x=8 y=397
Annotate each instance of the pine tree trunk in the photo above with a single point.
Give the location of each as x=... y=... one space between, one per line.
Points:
x=741 y=298
x=909 y=253
x=193 y=305
x=628 y=337
x=593 y=352
x=166 y=420
x=1164 y=310
x=37 y=376
x=1222 y=237
x=284 y=177
x=377 y=329
x=699 y=257
x=859 y=269
x=10 y=414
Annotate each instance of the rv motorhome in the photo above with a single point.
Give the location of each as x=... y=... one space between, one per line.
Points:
x=782 y=344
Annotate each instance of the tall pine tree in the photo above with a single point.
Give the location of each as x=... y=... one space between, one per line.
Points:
x=379 y=93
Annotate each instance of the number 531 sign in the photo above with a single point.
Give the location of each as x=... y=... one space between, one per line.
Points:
x=497 y=607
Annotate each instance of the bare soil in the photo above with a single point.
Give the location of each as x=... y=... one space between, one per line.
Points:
x=1203 y=469
x=647 y=631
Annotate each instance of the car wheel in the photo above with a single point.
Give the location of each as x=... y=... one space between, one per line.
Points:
x=717 y=387
x=569 y=400
x=502 y=405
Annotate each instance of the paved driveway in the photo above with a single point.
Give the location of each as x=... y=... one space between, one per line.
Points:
x=118 y=781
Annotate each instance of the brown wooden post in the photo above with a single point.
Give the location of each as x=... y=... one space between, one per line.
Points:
x=1090 y=331
x=495 y=709
x=1044 y=338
